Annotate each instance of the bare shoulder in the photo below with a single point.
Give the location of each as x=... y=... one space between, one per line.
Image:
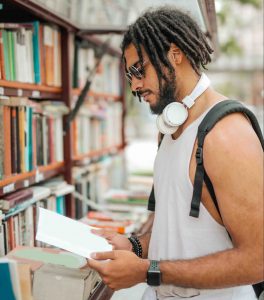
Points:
x=231 y=139
x=233 y=159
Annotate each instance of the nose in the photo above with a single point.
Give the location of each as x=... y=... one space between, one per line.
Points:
x=136 y=84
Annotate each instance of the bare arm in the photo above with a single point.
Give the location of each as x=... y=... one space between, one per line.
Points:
x=144 y=241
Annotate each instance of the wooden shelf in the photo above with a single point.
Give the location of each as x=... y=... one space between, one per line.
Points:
x=77 y=91
x=29 y=10
x=21 y=89
x=98 y=153
x=18 y=181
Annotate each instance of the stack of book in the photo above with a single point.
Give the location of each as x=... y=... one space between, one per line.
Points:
x=120 y=223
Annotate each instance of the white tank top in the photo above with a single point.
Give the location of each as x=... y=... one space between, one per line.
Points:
x=176 y=235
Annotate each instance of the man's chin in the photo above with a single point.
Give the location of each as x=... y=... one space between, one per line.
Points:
x=155 y=110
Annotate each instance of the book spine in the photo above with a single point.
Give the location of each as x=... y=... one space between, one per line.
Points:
x=18 y=141
x=14 y=139
x=36 y=52
x=60 y=205
x=2 y=142
x=42 y=54
x=11 y=236
x=29 y=225
x=30 y=138
x=6 y=55
x=16 y=231
x=7 y=141
x=2 y=59
x=21 y=118
x=2 y=240
x=34 y=140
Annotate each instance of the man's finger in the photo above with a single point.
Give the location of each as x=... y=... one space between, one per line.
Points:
x=94 y=264
x=104 y=233
x=103 y=255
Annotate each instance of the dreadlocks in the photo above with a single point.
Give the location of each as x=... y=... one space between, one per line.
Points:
x=156 y=29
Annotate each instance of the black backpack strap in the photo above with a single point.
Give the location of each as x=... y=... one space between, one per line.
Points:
x=218 y=112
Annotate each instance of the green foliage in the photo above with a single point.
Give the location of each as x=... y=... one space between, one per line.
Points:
x=226 y=17
x=255 y=3
x=231 y=47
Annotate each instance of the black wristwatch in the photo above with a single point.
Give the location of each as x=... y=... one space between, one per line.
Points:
x=154 y=274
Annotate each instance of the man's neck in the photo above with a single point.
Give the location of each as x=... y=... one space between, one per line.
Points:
x=202 y=103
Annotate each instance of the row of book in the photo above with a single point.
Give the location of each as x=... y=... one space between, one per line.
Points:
x=30 y=52
x=107 y=77
x=20 y=212
x=31 y=134
x=97 y=126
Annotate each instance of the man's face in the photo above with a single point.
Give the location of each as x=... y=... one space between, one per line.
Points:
x=148 y=85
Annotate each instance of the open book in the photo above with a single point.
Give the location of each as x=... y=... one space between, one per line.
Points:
x=68 y=234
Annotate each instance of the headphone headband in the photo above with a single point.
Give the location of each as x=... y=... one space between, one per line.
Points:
x=201 y=86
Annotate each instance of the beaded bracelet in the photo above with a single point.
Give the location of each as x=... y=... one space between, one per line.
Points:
x=136 y=245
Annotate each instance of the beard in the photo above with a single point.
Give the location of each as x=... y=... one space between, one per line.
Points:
x=166 y=96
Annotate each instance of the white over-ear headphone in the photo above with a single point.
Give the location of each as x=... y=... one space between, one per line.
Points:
x=175 y=113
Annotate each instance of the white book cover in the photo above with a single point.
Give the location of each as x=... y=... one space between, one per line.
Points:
x=2 y=240
x=68 y=234
x=29 y=55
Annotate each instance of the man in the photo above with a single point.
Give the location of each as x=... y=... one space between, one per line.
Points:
x=163 y=53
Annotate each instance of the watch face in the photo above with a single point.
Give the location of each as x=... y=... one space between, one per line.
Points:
x=154 y=278
x=154 y=275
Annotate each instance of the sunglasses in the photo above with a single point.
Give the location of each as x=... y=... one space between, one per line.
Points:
x=137 y=72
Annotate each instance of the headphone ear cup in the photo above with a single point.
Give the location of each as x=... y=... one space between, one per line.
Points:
x=174 y=114
x=163 y=127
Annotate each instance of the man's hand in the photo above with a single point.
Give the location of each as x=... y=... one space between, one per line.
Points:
x=119 y=269
x=118 y=241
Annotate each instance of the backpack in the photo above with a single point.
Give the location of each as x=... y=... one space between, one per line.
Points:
x=219 y=111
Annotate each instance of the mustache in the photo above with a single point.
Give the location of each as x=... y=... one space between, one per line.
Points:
x=139 y=94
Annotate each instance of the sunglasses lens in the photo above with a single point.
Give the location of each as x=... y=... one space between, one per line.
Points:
x=129 y=77
x=136 y=72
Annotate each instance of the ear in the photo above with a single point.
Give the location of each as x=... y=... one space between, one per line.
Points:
x=175 y=54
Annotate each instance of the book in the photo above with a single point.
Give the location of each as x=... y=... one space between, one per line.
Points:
x=122 y=227
x=14 y=140
x=36 y=52
x=2 y=64
x=2 y=240
x=7 y=141
x=7 y=290
x=36 y=257
x=54 y=229
x=9 y=201
x=15 y=280
x=64 y=283
x=25 y=281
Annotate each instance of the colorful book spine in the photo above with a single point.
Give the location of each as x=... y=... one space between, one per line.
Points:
x=36 y=52
x=2 y=63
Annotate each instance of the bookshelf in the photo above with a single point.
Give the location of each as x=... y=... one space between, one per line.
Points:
x=57 y=89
